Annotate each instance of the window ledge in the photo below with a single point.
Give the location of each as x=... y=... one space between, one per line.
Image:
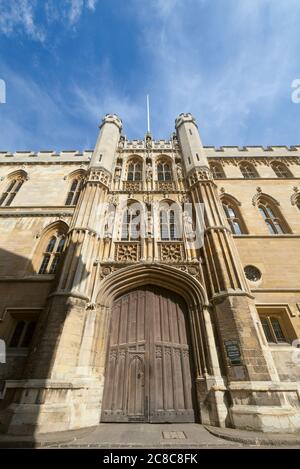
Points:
x=283 y=346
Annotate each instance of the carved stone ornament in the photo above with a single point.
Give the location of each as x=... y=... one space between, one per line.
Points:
x=149 y=172
x=131 y=186
x=148 y=142
x=99 y=176
x=121 y=143
x=148 y=199
x=179 y=171
x=203 y=174
x=184 y=199
x=127 y=252
x=113 y=199
x=164 y=186
x=256 y=196
x=171 y=252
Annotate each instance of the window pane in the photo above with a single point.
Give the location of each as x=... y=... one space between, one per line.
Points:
x=278 y=227
x=18 y=186
x=262 y=211
x=226 y=210
x=10 y=199
x=51 y=244
x=164 y=225
x=69 y=198
x=231 y=212
x=267 y=330
x=3 y=198
x=28 y=334
x=277 y=330
x=270 y=227
x=54 y=264
x=61 y=245
x=17 y=334
x=74 y=185
x=44 y=265
x=11 y=185
x=135 y=225
x=124 y=233
x=237 y=228
x=270 y=212
x=77 y=194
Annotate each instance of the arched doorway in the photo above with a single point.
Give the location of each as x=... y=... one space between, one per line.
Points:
x=149 y=370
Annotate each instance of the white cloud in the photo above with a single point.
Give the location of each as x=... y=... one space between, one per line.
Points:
x=245 y=68
x=18 y=15
x=21 y=15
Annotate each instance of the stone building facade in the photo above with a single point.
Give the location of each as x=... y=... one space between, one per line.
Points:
x=153 y=281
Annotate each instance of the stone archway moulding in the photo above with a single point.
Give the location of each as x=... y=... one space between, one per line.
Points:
x=128 y=278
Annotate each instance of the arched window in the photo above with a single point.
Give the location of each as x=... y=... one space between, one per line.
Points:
x=131 y=224
x=233 y=216
x=248 y=171
x=134 y=172
x=272 y=217
x=281 y=170
x=52 y=254
x=169 y=222
x=217 y=171
x=75 y=190
x=164 y=171
x=14 y=185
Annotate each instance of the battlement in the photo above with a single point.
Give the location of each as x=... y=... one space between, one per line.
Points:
x=136 y=145
x=46 y=156
x=141 y=144
x=253 y=150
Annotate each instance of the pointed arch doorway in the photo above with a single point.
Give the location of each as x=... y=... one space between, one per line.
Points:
x=149 y=365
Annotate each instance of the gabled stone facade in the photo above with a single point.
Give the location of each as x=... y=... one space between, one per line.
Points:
x=218 y=226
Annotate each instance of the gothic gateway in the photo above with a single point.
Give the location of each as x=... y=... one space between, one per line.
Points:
x=150 y=281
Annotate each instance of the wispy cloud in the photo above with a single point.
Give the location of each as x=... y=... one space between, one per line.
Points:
x=76 y=8
x=19 y=15
x=244 y=65
x=230 y=63
x=26 y=16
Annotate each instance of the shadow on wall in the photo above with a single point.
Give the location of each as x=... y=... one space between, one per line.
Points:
x=33 y=315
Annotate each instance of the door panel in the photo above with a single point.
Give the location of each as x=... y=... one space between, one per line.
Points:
x=148 y=370
x=136 y=389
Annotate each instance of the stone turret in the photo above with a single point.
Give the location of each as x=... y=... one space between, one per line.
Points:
x=107 y=142
x=190 y=142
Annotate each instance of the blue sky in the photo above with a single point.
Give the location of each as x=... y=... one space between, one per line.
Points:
x=66 y=63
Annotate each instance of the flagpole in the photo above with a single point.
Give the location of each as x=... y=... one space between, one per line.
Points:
x=148 y=113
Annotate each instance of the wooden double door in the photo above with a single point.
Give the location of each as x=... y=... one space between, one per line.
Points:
x=148 y=370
